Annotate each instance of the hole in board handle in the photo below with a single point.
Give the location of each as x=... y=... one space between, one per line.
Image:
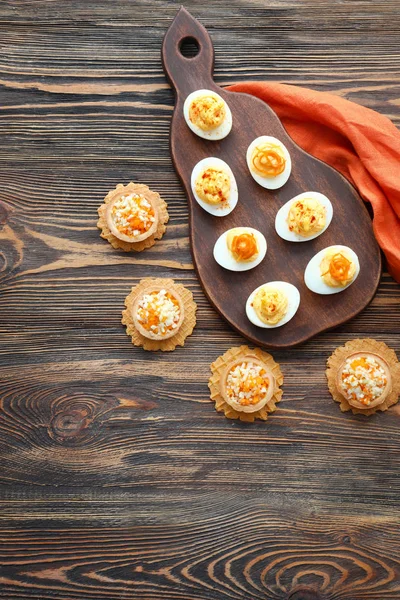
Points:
x=189 y=47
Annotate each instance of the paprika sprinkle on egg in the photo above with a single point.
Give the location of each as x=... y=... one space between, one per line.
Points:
x=306 y=217
x=213 y=186
x=207 y=114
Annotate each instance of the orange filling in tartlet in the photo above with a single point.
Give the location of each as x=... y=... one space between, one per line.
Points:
x=306 y=217
x=207 y=112
x=132 y=215
x=363 y=380
x=247 y=384
x=243 y=246
x=270 y=305
x=337 y=269
x=159 y=313
x=213 y=186
x=268 y=160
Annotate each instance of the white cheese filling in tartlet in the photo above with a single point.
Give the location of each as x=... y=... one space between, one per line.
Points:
x=363 y=379
x=247 y=384
x=132 y=215
x=158 y=313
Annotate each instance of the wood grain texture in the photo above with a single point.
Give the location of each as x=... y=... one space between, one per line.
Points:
x=118 y=478
x=257 y=207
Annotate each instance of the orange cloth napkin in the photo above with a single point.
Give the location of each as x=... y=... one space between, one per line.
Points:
x=357 y=141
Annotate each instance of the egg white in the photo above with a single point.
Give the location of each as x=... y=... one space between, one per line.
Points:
x=215 y=209
x=282 y=228
x=271 y=183
x=293 y=296
x=218 y=133
x=312 y=276
x=224 y=257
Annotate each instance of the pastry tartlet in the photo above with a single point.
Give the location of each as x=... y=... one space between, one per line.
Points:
x=159 y=314
x=364 y=376
x=245 y=384
x=132 y=217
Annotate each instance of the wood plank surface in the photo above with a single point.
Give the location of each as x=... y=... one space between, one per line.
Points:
x=118 y=478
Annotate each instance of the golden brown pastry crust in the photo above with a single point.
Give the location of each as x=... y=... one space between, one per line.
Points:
x=160 y=207
x=146 y=286
x=229 y=358
x=380 y=349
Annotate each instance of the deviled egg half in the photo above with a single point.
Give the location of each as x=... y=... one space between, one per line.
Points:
x=240 y=249
x=214 y=186
x=304 y=217
x=272 y=304
x=207 y=115
x=269 y=162
x=332 y=270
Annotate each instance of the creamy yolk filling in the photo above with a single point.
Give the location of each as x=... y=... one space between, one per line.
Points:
x=243 y=246
x=213 y=186
x=363 y=379
x=268 y=160
x=207 y=112
x=270 y=305
x=158 y=312
x=306 y=217
x=247 y=384
x=132 y=215
x=337 y=269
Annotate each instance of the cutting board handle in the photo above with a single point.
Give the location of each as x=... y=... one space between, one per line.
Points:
x=193 y=71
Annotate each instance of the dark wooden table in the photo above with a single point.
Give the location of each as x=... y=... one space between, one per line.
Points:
x=119 y=479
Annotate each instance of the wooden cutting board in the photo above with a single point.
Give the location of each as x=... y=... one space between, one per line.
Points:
x=351 y=225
